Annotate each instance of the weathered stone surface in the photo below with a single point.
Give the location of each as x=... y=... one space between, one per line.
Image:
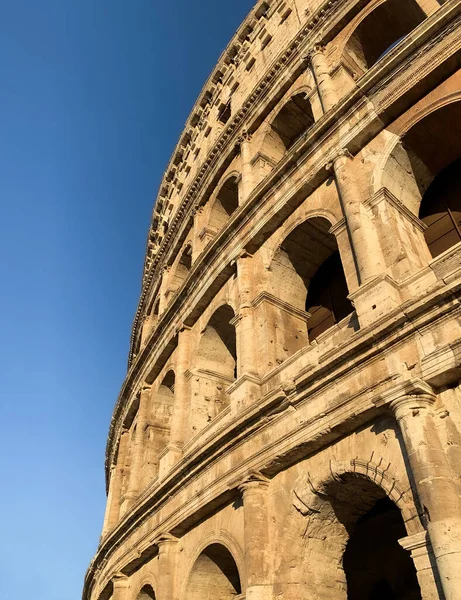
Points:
x=289 y=426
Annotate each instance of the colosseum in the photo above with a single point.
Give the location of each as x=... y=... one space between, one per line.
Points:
x=289 y=425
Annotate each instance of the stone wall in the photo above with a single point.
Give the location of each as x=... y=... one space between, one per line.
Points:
x=289 y=426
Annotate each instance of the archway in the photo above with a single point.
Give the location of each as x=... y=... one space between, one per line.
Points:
x=363 y=527
x=293 y=119
x=216 y=369
x=380 y=31
x=217 y=350
x=182 y=269
x=225 y=204
x=423 y=172
x=158 y=431
x=146 y=593
x=376 y=566
x=214 y=575
x=307 y=273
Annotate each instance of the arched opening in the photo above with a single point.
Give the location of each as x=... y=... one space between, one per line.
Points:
x=376 y=566
x=158 y=431
x=225 y=204
x=217 y=351
x=380 y=31
x=424 y=173
x=216 y=369
x=364 y=558
x=146 y=593
x=182 y=269
x=150 y=320
x=441 y=210
x=293 y=119
x=307 y=273
x=214 y=576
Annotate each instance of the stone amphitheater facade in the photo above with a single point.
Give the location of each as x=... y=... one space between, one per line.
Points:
x=289 y=426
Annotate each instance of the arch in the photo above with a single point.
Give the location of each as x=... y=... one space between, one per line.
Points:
x=158 y=430
x=351 y=503
x=292 y=120
x=146 y=593
x=214 y=574
x=182 y=269
x=218 y=344
x=378 y=31
x=225 y=203
x=216 y=368
x=427 y=182
x=307 y=273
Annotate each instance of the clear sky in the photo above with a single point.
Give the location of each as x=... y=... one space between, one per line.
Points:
x=94 y=94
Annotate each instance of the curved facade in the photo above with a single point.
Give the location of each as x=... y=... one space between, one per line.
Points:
x=289 y=426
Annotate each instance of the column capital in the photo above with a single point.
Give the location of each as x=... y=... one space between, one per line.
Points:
x=253 y=480
x=407 y=397
x=165 y=540
x=120 y=580
x=244 y=136
x=181 y=328
x=337 y=155
x=317 y=48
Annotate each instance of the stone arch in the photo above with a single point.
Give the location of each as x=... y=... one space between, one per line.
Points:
x=426 y=181
x=214 y=574
x=341 y=501
x=182 y=268
x=377 y=30
x=159 y=424
x=225 y=203
x=306 y=272
x=146 y=592
x=217 y=348
x=215 y=368
x=291 y=121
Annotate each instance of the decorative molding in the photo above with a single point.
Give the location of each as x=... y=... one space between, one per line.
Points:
x=266 y=297
x=384 y=195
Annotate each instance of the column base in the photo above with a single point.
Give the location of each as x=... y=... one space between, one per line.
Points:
x=374 y=299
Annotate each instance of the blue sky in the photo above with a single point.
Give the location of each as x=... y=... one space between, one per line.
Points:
x=94 y=94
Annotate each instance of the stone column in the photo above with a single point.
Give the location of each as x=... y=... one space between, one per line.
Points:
x=112 y=515
x=438 y=492
x=167 y=557
x=246 y=357
x=247 y=181
x=322 y=77
x=256 y=533
x=137 y=458
x=180 y=403
x=121 y=587
x=363 y=238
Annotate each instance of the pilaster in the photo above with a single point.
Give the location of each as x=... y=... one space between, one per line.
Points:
x=421 y=552
x=254 y=490
x=121 y=587
x=167 y=557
